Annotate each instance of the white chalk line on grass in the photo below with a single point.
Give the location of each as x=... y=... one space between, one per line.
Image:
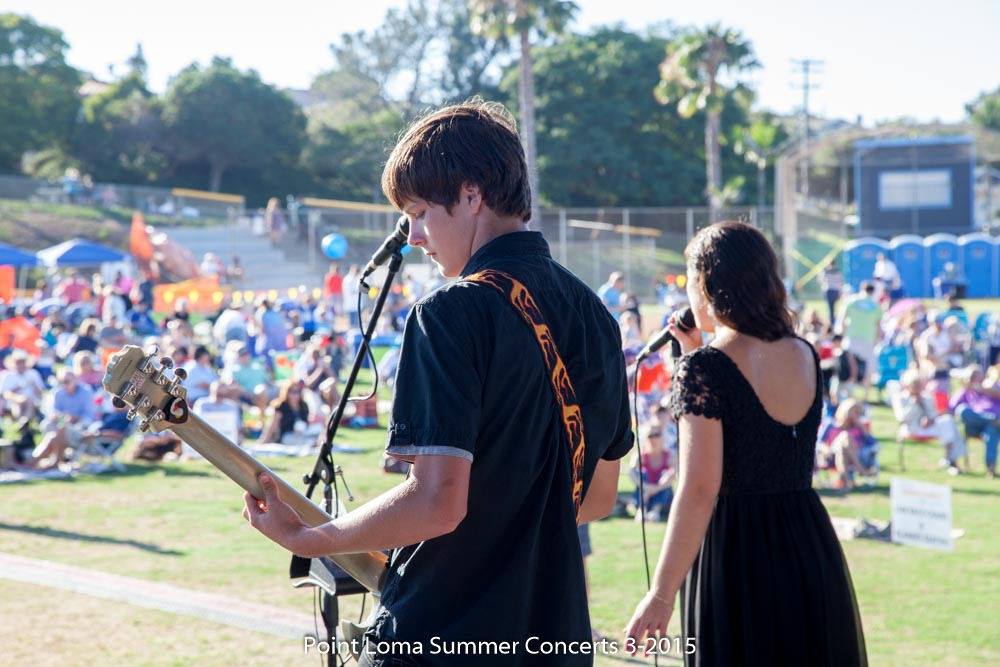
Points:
x=156 y=595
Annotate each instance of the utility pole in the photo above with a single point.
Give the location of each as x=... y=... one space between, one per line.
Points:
x=806 y=67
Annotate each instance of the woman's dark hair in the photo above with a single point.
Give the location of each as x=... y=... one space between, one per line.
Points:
x=739 y=273
x=474 y=142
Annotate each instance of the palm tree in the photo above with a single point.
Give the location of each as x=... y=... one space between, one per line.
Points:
x=689 y=76
x=758 y=144
x=524 y=19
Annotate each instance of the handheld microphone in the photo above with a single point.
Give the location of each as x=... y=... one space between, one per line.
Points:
x=685 y=323
x=393 y=243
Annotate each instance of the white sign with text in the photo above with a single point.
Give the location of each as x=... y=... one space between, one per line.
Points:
x=921 y=514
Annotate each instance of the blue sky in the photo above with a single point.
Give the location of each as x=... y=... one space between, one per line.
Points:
x=882 y=58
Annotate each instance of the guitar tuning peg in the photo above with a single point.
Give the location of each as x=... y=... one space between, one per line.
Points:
x=144 y=425
x=158 y=416
x=130 y=415
x=180 y=374
x=166 y=362
x=118 y=402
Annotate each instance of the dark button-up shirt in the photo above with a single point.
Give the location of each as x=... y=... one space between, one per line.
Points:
x=472 y=383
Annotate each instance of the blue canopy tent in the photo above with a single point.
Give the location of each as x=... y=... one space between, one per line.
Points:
x=11 y=256
x=79 y=252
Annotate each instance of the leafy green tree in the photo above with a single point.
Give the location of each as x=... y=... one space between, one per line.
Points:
x=985 y=110
x=393 y=56
x=603 y=140
x=422 y=54
x=340 y=97
x=469 y=56
x=526 y=21
x=38 y=90
x=137 y=62
x=759 y=144
x=347 y=161
x=226 y=118
x=690 y=79
x=119 y=137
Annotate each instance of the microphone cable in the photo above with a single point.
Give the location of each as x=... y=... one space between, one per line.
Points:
x=371 y=358
x=368 y=351
x=642 y=491
x=638 y=470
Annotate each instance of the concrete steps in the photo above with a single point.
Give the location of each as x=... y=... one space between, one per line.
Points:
x=264 y=266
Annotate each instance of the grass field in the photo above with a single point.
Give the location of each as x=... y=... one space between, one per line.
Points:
x=180 y=523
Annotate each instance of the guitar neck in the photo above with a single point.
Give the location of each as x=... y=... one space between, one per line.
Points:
x=239 y=466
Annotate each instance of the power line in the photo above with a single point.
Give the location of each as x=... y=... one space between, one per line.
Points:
x=807 y=68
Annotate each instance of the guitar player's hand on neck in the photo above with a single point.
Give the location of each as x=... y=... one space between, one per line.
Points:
x=278 y=521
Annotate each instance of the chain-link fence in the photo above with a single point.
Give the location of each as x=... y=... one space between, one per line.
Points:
x=646 y=244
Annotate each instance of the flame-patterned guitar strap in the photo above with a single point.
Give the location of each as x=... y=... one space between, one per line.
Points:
x=572 y=418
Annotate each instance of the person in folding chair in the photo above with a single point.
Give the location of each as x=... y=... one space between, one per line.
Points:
x=511 y=403
x=104 y=437
x=919 y=419
x=73 y=411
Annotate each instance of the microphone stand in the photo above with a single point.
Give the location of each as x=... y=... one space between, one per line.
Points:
x=326 y=472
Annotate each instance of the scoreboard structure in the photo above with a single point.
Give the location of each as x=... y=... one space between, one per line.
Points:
x=916 y=186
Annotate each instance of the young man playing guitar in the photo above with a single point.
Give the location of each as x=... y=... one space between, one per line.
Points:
x=511 y=403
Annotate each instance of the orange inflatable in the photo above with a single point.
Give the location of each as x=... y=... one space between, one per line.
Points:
x=7 y=283
x=22 y=332
x=203 y=295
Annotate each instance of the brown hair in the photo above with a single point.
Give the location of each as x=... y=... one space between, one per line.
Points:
x=739 y=274
x=473 y=143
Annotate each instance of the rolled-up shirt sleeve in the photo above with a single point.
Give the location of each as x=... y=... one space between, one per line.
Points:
x=437 y=406
x=623 y=438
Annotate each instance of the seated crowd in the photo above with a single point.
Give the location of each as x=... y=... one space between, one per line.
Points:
x=271 y=371
x=937 y=370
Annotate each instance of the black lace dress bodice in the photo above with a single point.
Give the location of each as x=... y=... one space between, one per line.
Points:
x=770 y=585
x=762 y=455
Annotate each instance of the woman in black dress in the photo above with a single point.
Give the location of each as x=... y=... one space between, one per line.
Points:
x=749 y=545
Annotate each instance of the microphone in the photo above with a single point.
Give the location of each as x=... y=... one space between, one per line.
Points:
x=393 y=243
x=685 y=323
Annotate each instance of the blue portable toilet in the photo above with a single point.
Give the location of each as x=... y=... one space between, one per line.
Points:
x=979 y=263
x=859 y=259
x=996 y=278
x=941 y=249
x=910 y=257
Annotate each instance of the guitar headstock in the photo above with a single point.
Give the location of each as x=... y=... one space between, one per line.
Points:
x=135 y=380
